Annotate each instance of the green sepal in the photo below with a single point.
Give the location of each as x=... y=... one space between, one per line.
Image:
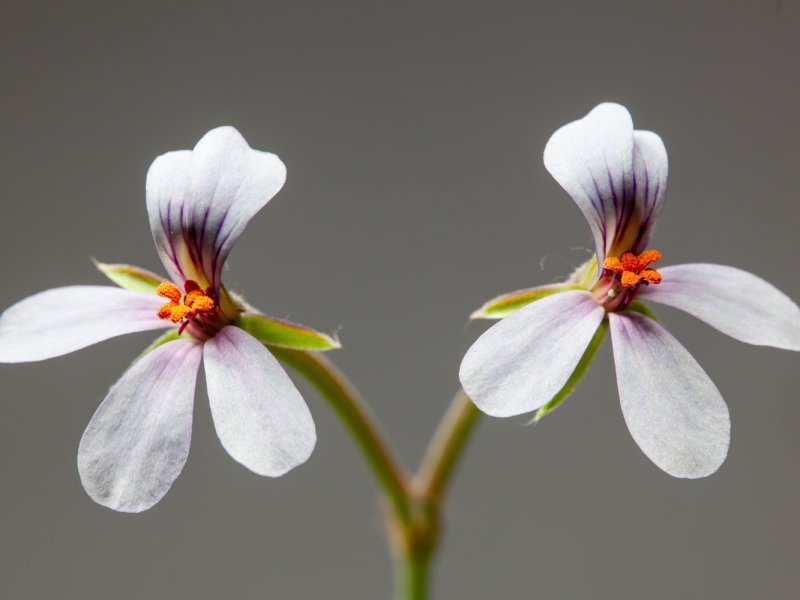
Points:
x=577 y=374
x=640 y=307
x=130 y=277
x=505 y=304
x=277 y=332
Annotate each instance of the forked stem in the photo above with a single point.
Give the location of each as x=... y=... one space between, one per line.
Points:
x=413 y=519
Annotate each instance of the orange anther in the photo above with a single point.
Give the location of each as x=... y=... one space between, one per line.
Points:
x=630 y=279
x=613 y=264
x=632 y=267
x=199 y=301
x=648 y=257
x=192 y=296
x=629 y=262
x=180 y=312
x=195 y=301
x=652 y=275
x=169 y=290
x=202 y=304
x=165 y=310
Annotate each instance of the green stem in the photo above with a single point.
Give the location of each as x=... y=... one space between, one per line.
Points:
x=352 y=410
x=413 y=522
x=446 y=447
x=411 y=573
x=417 y=547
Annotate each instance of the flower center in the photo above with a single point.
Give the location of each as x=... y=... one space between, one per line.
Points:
x=195 y=302
x=632 y=270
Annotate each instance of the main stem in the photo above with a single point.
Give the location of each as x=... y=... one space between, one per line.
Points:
x=411 y=577
x=413 y=519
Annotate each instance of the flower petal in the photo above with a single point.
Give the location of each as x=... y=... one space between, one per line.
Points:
x=616 y=176
x=733 y=301
x=167 y=192
x=673 y=410
x=260 y=417
x=520 y=363
x=650 y=167
x=138 y=440
x=200 y=201
x=62 y=320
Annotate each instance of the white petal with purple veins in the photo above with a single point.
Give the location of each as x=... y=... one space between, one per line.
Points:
x=733 y=301
x=62 y=320
x=200 y=201
x=520 y=363
x=138 y=440
x=673 y=410
x=637 y=221
x=260 y=417
x=616 y=176
x=167 y=192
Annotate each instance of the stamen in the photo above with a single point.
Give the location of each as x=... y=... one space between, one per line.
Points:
x=613 y=264
x=630 y=279
x=629 y=262
x=166 y=310
x=648 y=257
x=203 y=304
x=196 y=301
x=652 y=275
x=169 y=290
x=192 y=296
x=632 y=269
x=179 y=312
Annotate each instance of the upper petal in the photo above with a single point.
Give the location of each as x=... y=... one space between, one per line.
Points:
x=261 y=419
x=673 y=410
x=643 y=207
x=200 y=201
x=733 y=301
x=62 y=320
x=616 y=176
x=138 y=440
x=520 y=363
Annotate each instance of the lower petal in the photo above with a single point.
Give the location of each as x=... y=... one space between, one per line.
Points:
x=261 y=419
x=138 y=440
x=62 y=320
x=673 y=410
x=520 y=363
x=733 y=301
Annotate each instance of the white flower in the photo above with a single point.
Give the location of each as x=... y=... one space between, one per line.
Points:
x=137 y=442
x=617 y=176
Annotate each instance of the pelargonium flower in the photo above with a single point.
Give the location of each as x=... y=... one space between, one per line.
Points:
x=532 y=358
x=137 y=442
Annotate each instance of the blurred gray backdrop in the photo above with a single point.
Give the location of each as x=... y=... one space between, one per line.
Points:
x=413 y=134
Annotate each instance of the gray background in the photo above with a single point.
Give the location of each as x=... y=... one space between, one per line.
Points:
x=413 y=135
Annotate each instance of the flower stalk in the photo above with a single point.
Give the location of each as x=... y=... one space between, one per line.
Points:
x=348 y=405
x=413 y=504
x=446 y=446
